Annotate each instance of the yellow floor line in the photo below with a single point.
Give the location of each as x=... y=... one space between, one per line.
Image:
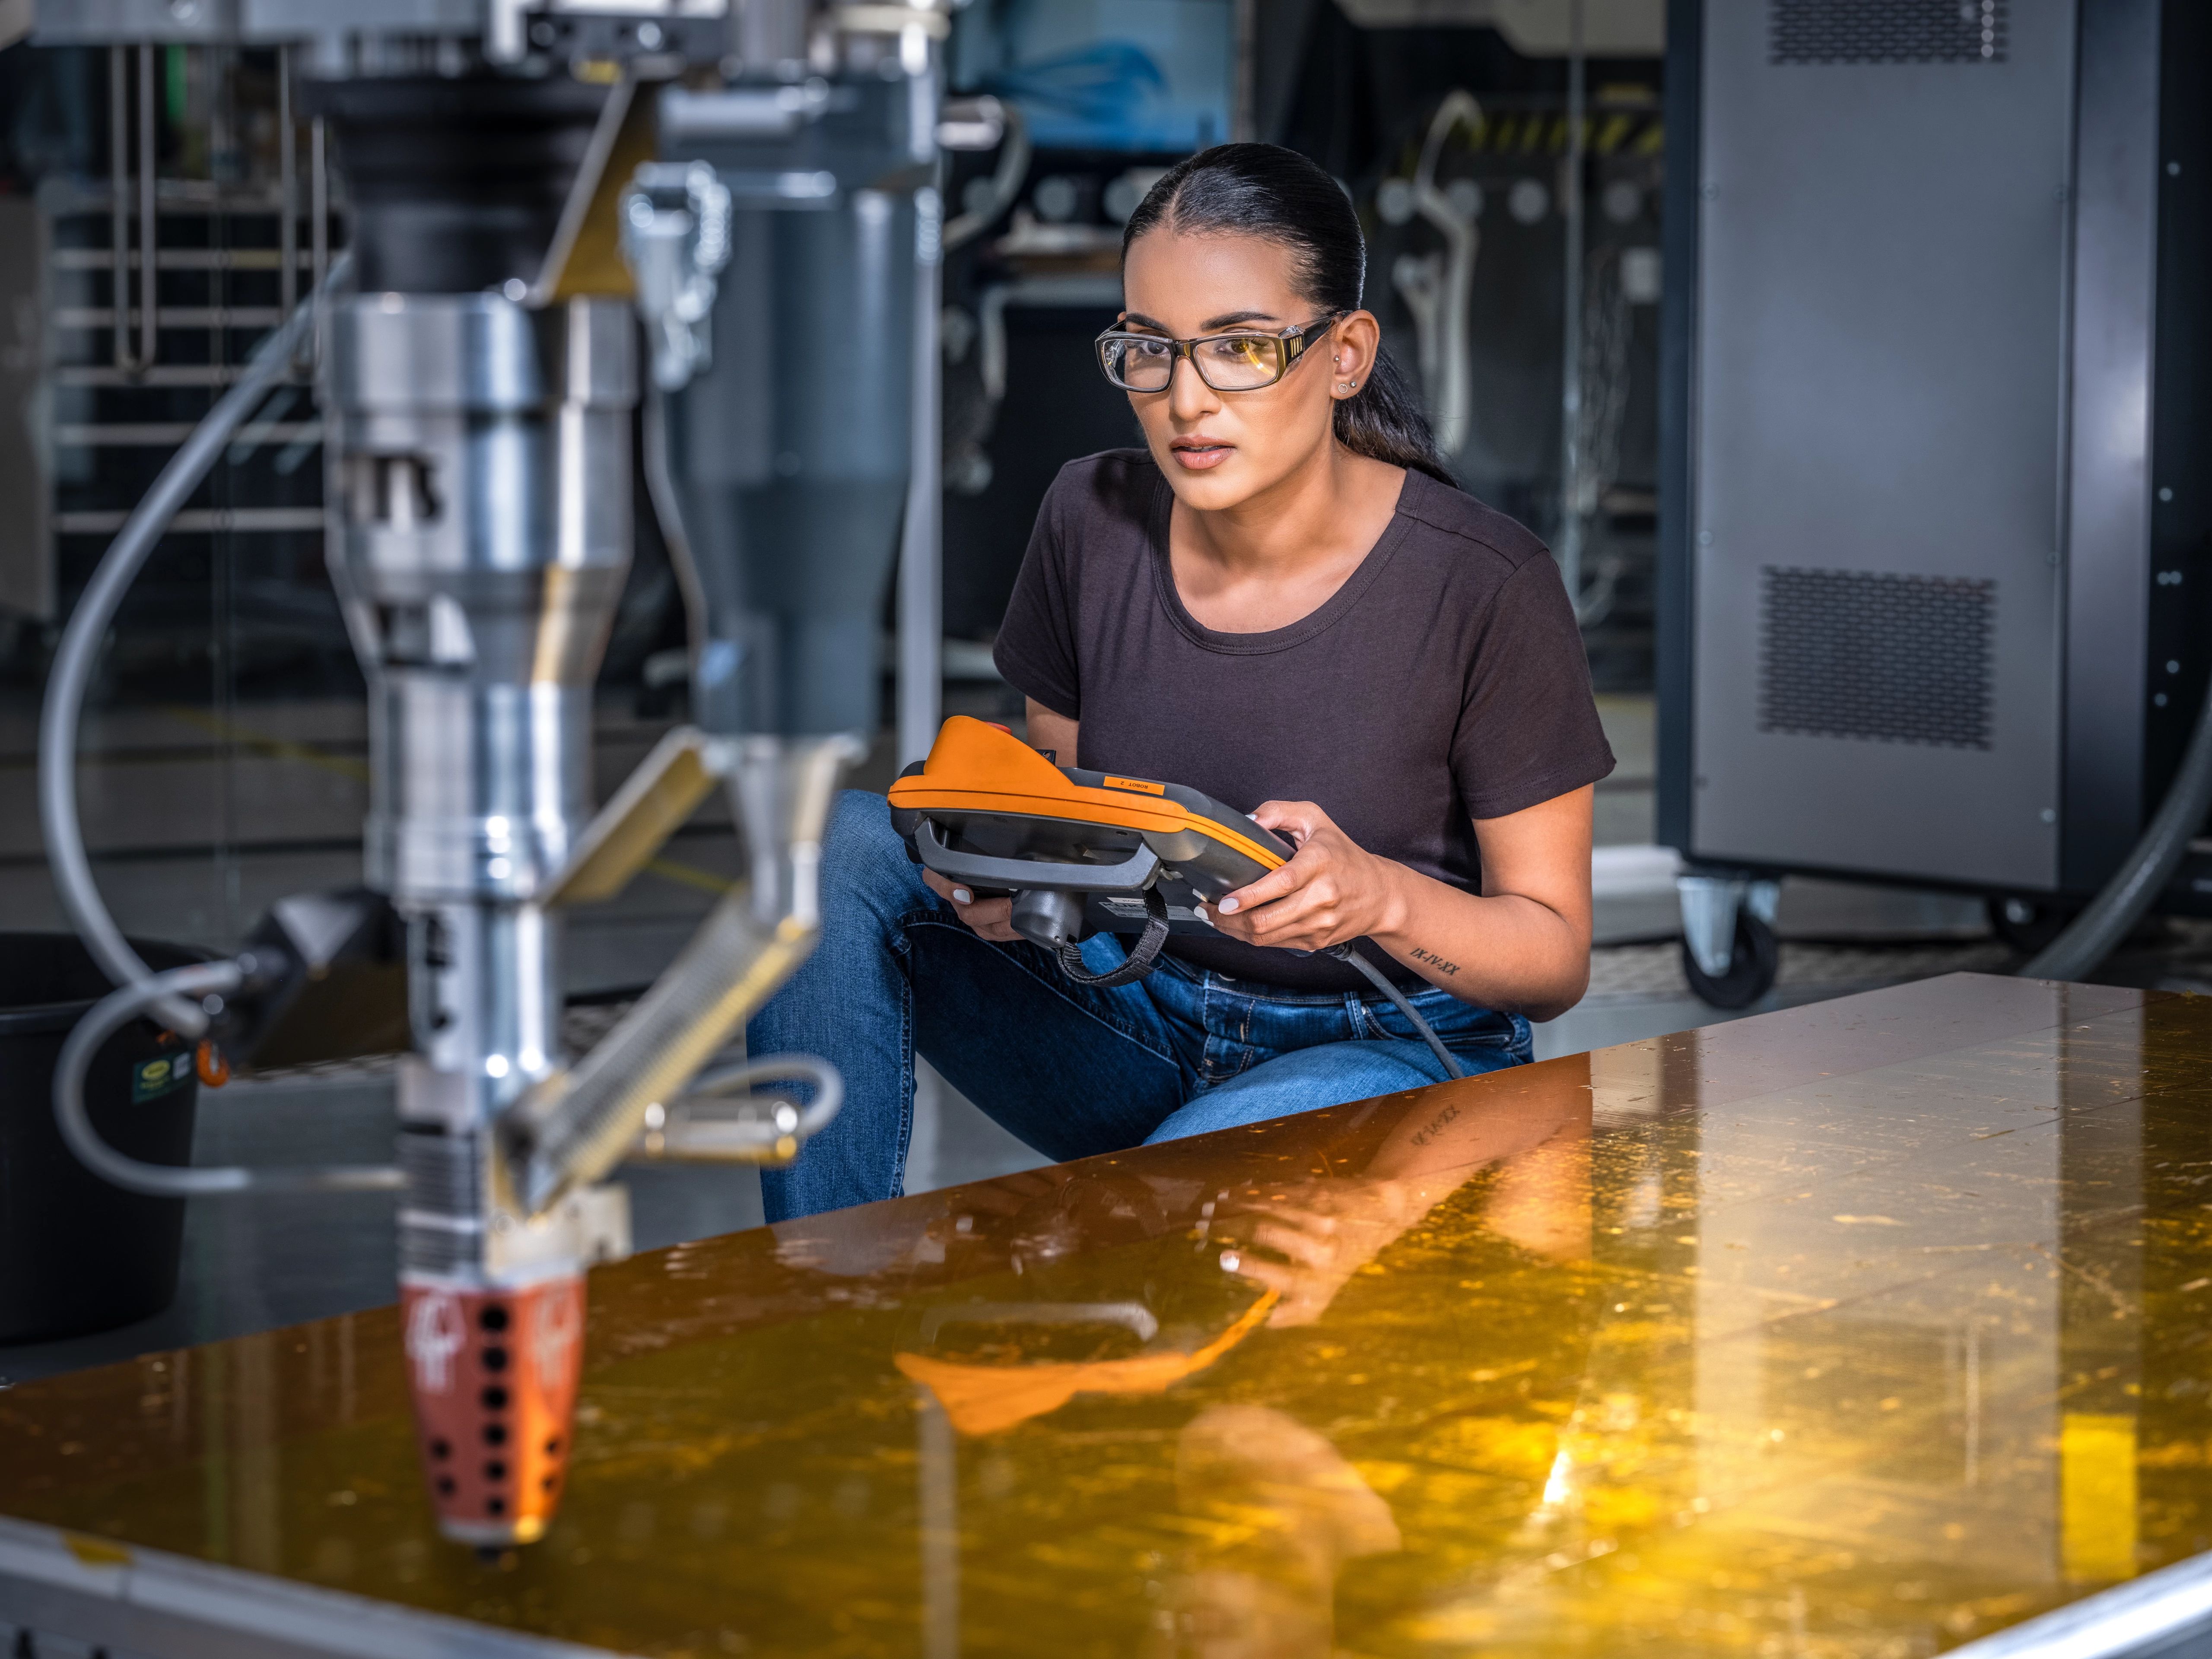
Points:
x=346 y=766
x=705 y=881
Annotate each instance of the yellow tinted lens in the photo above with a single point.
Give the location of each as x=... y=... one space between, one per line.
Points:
x=1234 y=362
x=1141 y=364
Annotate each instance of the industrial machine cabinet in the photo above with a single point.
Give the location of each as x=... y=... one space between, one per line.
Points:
x=1933 y=560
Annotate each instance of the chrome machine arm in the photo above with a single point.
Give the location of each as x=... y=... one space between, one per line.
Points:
x=479 y=380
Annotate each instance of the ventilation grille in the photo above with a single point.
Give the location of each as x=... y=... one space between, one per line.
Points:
x=1845 y=654
x=1886 y=31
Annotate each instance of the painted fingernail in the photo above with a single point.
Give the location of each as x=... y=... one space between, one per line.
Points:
x=1231 y=1261
x=1230 y=906
x=962 y=896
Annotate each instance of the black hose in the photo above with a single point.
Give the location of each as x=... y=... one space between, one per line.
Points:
x=1346 y=953
x=2149 y=866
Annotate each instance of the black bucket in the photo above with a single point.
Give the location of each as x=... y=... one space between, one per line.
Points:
x=77 y=1255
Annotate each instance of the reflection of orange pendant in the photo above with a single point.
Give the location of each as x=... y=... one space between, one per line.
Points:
x=494 y=1373
x=985 y=1398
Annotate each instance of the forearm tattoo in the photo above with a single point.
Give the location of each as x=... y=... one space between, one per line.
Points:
x=1429 y=1130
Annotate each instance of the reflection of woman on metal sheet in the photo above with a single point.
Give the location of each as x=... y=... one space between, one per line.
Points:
x=1304 y=1240
x=1284 y=1519
x=1281 y=601
x=1285 y=1499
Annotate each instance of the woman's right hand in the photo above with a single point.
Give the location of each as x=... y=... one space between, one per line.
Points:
x=991 y=918
x=1317 y=1234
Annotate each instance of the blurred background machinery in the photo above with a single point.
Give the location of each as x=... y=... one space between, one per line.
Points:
x=540 y=197
x=226 y=693
x=1939 y=393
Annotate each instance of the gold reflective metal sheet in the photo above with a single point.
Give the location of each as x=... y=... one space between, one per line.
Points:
x=1866 y=1328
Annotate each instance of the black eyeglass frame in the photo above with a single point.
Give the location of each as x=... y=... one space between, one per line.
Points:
x=1289 y=345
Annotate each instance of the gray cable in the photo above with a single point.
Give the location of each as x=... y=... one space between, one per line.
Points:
x=2150 y=864
x=211 y=980
x=1346 y=953
x=741 y=1079
x=87 y=628
x=1013 y=166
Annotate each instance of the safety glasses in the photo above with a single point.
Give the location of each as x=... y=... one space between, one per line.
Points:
x=1239 y=360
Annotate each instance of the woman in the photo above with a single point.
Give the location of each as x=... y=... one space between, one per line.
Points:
x=1285 y=602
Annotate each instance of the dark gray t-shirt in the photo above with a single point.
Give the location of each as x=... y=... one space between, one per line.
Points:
x=1445 y=681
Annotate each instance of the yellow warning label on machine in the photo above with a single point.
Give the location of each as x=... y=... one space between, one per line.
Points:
x=1140 y=785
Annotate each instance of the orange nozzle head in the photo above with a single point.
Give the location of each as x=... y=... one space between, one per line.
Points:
x=494 y=1373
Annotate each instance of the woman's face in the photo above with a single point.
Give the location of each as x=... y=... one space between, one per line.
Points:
x=1219 y=449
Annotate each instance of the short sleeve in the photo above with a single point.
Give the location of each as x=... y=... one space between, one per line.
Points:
x=1529 y=729
x=1035 y=648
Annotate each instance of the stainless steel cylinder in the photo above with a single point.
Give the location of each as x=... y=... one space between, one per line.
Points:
x=481 y=519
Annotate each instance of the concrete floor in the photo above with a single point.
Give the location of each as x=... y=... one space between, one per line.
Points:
x=288 y=785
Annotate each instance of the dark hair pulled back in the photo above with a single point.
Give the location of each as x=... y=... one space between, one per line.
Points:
x=1279 y=196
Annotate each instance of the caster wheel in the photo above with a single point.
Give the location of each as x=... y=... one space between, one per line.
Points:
x=2027 y=925
x=1752 y=970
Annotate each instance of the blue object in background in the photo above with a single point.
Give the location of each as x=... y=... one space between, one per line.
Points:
x=1122 y=75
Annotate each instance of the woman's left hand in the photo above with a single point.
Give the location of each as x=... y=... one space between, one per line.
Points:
x=1333 y=890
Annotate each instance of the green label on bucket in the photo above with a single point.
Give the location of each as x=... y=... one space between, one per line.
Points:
x=151 y=1078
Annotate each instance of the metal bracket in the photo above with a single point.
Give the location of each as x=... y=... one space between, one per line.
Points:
x=676 y=235
x=650 y=806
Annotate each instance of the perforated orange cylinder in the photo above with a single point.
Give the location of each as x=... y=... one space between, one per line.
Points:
x=494 y=1373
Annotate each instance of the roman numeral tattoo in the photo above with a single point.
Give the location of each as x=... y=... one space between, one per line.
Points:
x=1428 y=1130
x=1435 y=961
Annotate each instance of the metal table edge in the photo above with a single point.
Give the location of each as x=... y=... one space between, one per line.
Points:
x=2142 y=1617
x=53 y=1582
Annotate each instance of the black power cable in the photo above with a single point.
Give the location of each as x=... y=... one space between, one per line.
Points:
x=1346 y=953
x=2149 y=866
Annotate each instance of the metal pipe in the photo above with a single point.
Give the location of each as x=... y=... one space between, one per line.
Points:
x=212 y=981
x=1441 y=311
x=1006 y=179
x=149 y=231
x=1571 y=370
x=922 y=550
x=937 y=1469
x=287 y=185
x=118 y=205
x=79 y=649
x=318 y=199
x=576 y=1126
x=1244 y=114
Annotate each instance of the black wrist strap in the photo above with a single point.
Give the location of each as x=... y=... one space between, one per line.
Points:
x=1141 y=959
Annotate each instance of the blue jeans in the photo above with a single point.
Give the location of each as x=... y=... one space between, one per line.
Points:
x=1071 y=1069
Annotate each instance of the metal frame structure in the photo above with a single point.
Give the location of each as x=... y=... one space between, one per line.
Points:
x=530 y=183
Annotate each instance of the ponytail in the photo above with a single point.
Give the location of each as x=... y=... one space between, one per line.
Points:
x=1280 y=197
x=1385 y=421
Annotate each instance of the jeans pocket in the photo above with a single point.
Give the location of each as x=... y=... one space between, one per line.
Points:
x=1465 y=1025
